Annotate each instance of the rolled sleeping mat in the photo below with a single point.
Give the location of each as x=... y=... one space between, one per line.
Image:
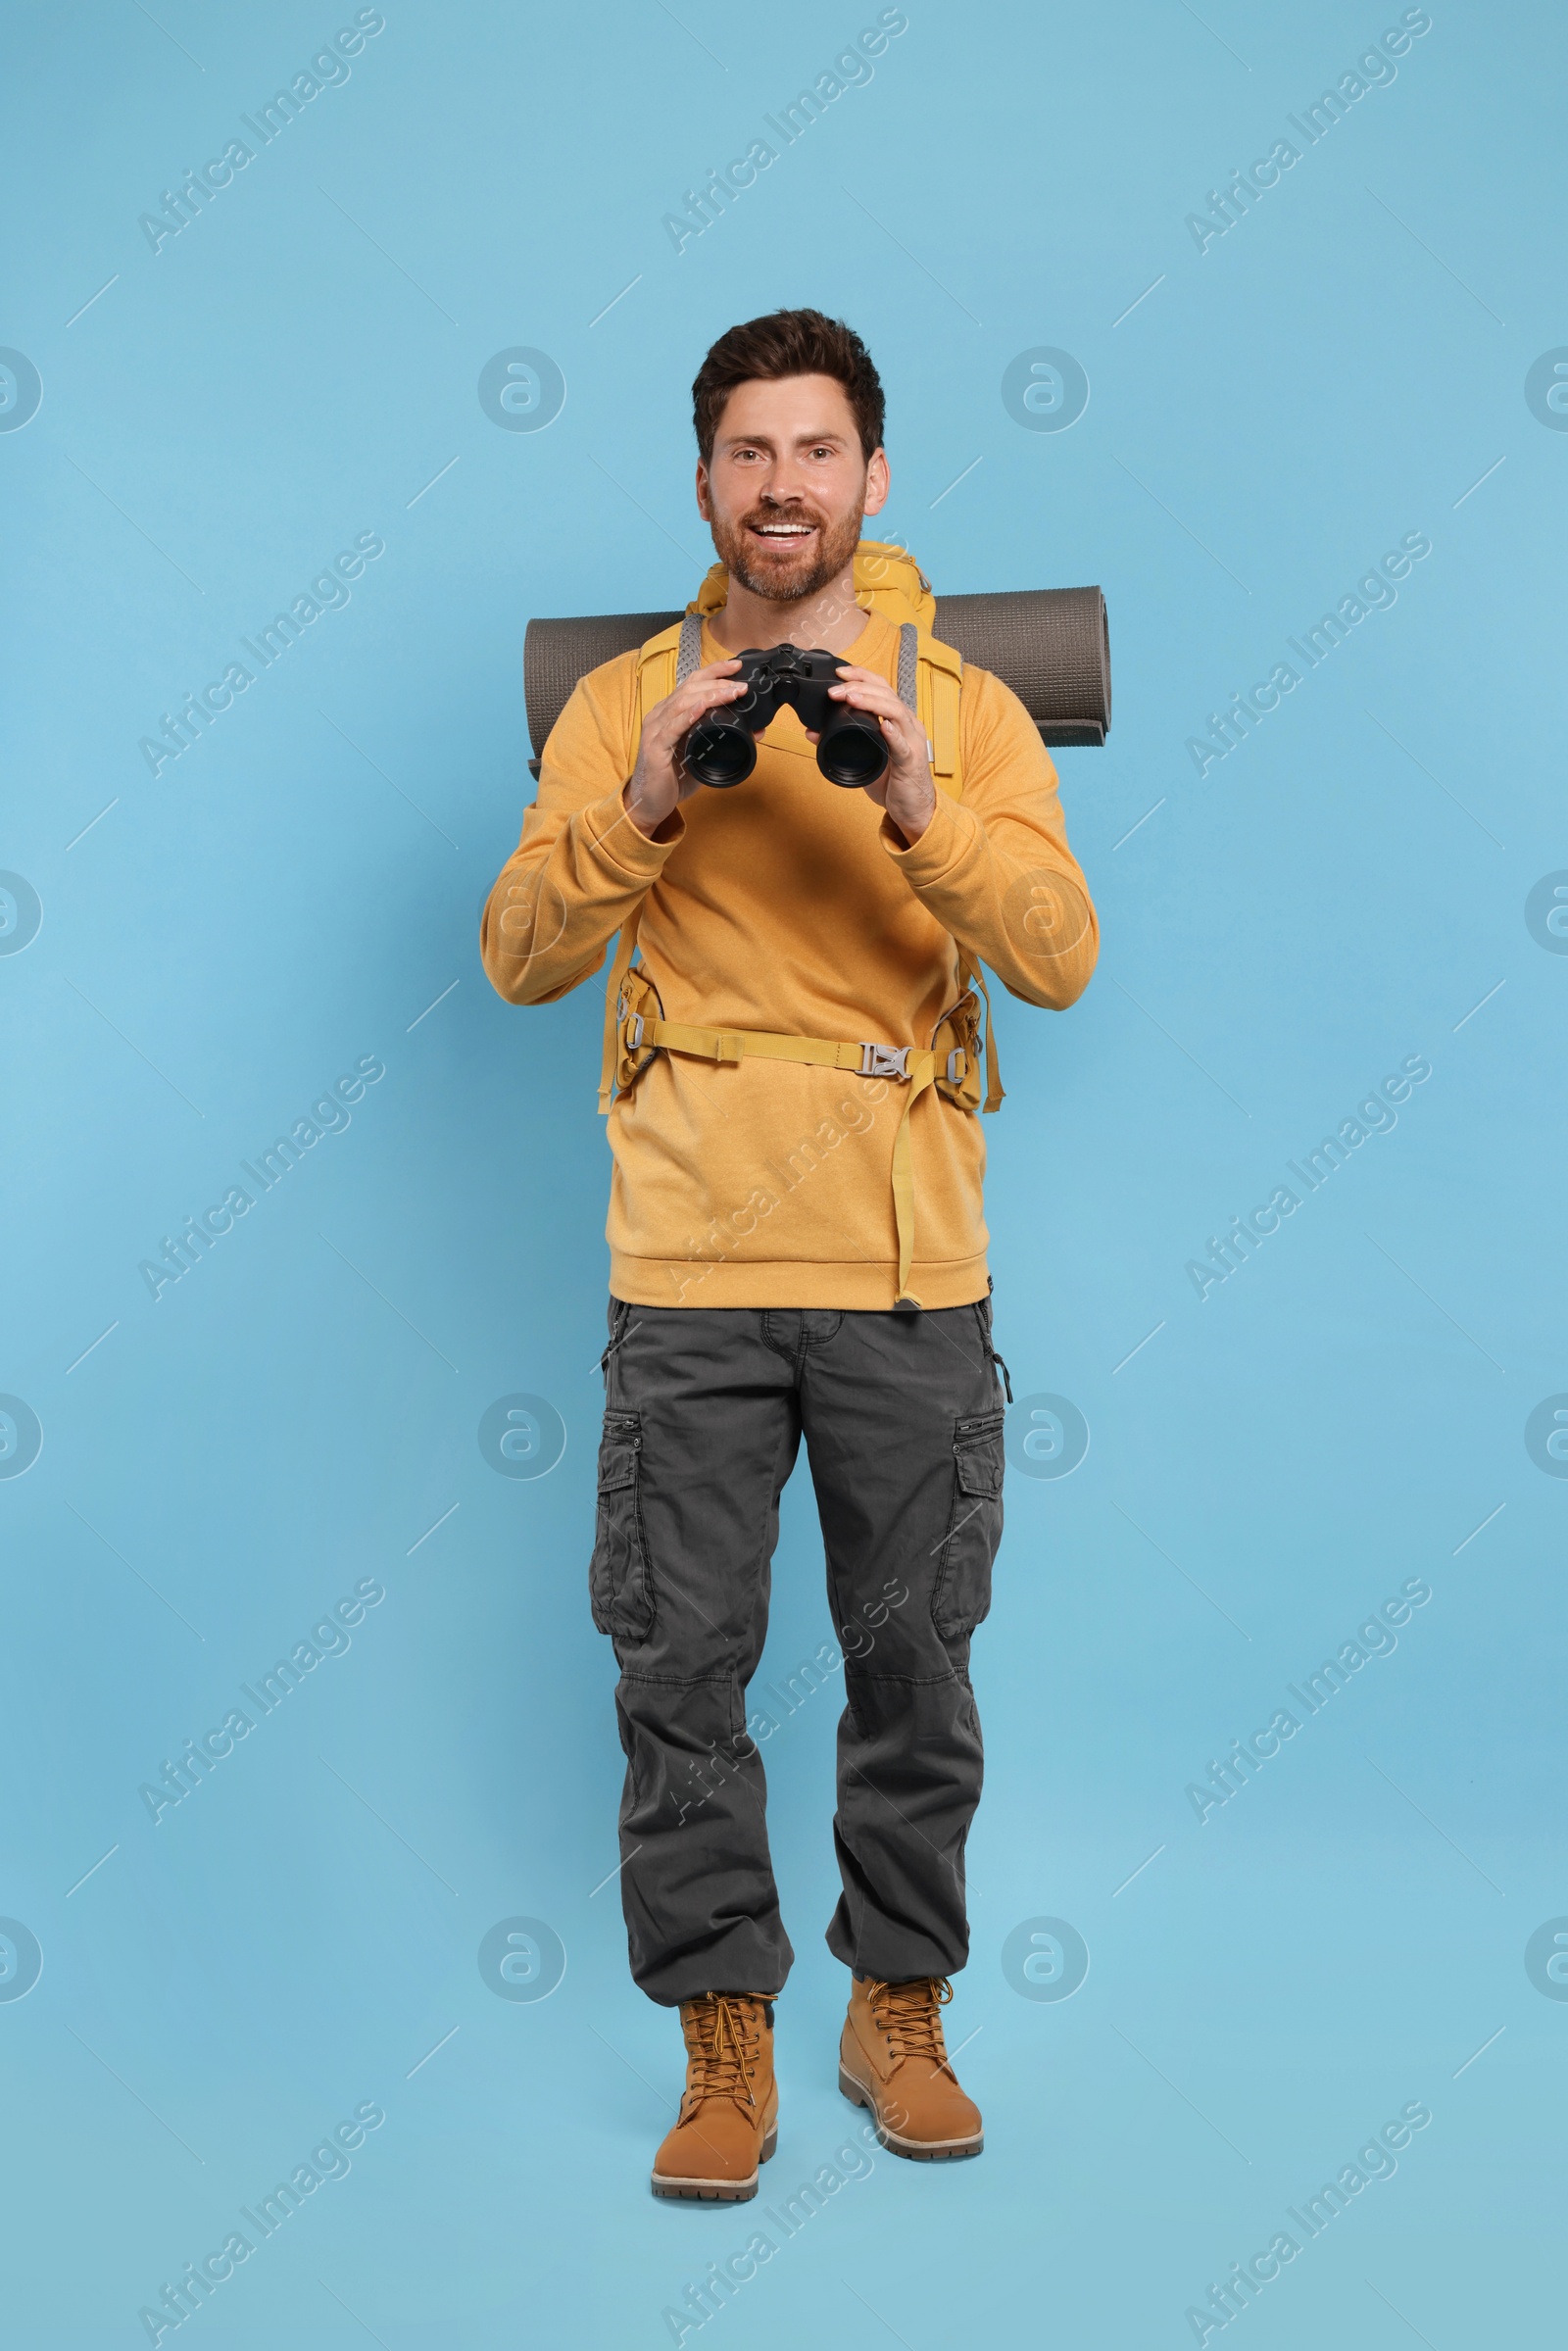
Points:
x=1051 y=645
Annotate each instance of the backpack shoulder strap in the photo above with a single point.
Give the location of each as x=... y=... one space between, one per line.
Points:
x=930 y=684
x=665 y=662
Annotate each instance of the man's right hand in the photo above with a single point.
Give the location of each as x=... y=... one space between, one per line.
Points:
x=658 y=781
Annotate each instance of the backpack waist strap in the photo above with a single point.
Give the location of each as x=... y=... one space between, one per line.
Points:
x=642 y=1034
x=868 y=1060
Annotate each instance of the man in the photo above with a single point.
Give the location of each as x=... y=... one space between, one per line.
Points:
x=796 y=1238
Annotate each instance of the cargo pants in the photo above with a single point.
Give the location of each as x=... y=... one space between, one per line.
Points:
x=704 y=1409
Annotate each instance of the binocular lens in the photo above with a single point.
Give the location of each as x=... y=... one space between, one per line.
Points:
x=852 y=755
x=719 y=755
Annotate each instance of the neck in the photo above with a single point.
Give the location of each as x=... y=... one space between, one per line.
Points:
x=830 y=620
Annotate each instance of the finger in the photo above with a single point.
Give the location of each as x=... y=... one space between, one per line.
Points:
x=705 y=683
x=816 y=738
x=725 y=660
x=693 y=698
x=903 y=732
x=712 y=674
x=867 y=694
x=678 y=711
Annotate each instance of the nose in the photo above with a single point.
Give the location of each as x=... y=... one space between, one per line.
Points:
x=785 y=484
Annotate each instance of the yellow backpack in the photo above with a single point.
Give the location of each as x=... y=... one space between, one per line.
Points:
x=889 y=581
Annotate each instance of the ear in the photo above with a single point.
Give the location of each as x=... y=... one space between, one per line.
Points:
x=878 y=482
x=703 y=501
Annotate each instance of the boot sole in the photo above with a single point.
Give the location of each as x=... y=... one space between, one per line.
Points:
x=712 y=2191
x=915 y=2150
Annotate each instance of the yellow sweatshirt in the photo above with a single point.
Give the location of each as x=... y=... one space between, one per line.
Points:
x=790 y=905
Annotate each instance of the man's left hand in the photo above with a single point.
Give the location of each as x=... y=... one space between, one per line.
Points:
x=905 y=789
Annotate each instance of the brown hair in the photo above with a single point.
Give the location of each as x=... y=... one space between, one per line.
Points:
x=788 y=343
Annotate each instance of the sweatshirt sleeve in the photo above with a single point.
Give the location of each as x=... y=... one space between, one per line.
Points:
x=994 y=867
x=581 y=865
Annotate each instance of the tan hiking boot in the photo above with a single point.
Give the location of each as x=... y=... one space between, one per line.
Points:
x=729 y=2119
x=893 y=2060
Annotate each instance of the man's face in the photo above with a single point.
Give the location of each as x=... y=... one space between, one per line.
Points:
x=787 y=486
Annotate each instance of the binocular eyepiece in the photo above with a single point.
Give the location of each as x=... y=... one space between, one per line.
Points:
x=720 y=750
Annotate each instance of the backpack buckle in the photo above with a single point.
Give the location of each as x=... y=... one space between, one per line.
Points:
x=884 y=1060
x=634 y=1034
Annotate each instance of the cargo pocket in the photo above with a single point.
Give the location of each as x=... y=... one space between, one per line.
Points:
x=619 y=1587
x=962 y=1594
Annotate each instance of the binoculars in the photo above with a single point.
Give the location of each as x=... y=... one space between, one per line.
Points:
x=720 y=749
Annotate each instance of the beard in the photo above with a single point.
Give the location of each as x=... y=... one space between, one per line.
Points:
x=794 y=572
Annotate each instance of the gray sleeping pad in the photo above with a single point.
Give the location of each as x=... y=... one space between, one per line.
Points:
x=1051 y=645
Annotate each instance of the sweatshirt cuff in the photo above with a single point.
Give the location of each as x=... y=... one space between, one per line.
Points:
x=945 y=842
x=615 y=838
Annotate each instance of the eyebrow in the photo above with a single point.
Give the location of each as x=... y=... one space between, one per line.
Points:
x=762 y=440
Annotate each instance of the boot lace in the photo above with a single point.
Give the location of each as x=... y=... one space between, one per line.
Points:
x=723 y=2041
x=910 y=2015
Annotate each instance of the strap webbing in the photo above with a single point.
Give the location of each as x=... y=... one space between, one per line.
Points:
x=621 y=965
x=904 y=1179
x=689 y=656
x=909 y=664
x=971 y=975
x=737 y=1045
x=766 y=1045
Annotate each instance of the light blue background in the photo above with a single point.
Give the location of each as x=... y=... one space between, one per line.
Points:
x=293 y=893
